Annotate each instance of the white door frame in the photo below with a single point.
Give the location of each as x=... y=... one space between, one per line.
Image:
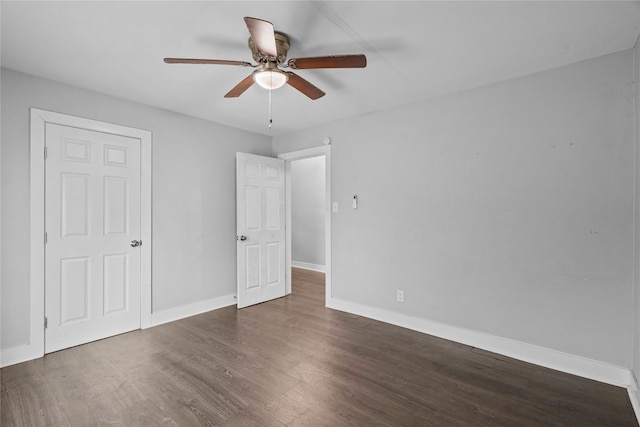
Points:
x=299 y=155
x=39 y=119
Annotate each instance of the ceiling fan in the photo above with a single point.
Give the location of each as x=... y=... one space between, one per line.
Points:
x=269 y=49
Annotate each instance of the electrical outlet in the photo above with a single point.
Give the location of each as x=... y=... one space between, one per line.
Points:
x=400 y=296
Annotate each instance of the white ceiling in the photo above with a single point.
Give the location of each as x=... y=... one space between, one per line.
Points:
x=416 y=50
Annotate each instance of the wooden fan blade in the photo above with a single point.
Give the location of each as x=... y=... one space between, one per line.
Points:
x=206 y=61
x=240 y=87
x=335 y=61
x=304 y=86
x=263 y=36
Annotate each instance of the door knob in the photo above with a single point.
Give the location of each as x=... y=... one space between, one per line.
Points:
x=135 y=243
x=243 y=238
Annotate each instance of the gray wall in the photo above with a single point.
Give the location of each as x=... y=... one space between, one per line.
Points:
x=507 y=209
x=193 y=195
x=308 y=211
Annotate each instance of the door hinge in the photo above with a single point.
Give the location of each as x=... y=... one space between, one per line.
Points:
x=45 y=152
x=45 y=237
x=46 y=323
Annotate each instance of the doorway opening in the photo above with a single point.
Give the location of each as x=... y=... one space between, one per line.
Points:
x=307 y=226
x=308 y=219
x=310 y=285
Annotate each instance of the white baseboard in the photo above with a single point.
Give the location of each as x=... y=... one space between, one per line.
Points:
x=553 y=359
x=634 y=395
x=177 y=313
x=22 y=353
x=308 y=266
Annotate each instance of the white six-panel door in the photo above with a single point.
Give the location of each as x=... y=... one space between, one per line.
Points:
x=260 y=185
x=92 y=202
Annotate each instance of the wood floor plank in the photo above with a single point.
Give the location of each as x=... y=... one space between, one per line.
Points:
x=30 y=404
x=180 y=405
x=339 y=400
x=293 y=362
x=254 y=416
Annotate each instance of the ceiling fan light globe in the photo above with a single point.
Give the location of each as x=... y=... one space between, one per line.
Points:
x=270 y=79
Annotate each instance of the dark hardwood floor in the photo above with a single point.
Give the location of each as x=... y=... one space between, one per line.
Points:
x=292 y=362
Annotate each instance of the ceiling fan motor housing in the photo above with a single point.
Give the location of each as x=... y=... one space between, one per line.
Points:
x=282 y=47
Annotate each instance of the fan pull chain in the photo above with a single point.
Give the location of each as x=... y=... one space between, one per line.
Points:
x=270 y=120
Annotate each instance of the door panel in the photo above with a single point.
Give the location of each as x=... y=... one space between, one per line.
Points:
x=260 y=228
x=116 y=197
x=74 y=289
x=116 y=283
x=92 y=203
x=74 y=204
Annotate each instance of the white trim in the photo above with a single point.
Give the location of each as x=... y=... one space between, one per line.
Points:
x=19 y=354
x=0 y=258
x=633 y=388
x=634 y=396
x=39 y=119
x=287 y=221
x=36 y=246
x=188 y=310
x=146 y=229
x=553 y=359
x=308 y=266
x=299 y=155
